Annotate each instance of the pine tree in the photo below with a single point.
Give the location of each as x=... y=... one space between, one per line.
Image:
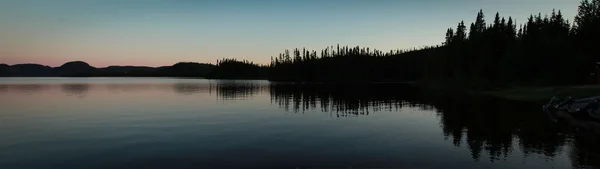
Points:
x=496 y=21
x=460 y=35
x=585 y=28
x=511 y=28
x=449 y=36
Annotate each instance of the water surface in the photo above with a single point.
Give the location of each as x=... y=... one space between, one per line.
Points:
x=194 y=123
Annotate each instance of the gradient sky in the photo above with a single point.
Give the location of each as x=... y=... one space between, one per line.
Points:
x=163 y=32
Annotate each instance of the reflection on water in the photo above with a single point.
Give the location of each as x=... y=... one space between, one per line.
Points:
x=489 y=131
x=27 y=88
x=75 y=89
x=118 y=88
x=190 y=88
x=585 y=150
x=232 y=90
x=495 y=127
x=344 y=100
x=225 y=90
x=482 y=125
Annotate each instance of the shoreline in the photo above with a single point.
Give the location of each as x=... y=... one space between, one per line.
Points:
x=530 y=94
x=543 y=94
x=521 y=93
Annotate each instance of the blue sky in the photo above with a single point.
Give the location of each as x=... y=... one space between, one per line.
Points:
x=162 y=32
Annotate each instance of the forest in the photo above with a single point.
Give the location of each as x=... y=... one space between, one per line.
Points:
x=235 y=69
x=544 y=50
x=547 y=49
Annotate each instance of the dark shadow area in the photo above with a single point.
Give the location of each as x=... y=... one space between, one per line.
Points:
x=585 y=150
x=486 y=126
x=493 y=126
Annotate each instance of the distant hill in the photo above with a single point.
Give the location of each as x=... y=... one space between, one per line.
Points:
x=186 y=69
x=4 y=70
x=83 y=69
x=28 y=70
x=116 y=69
x=74 y=68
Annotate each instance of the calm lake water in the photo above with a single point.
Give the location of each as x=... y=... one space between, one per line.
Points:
x=124 y=123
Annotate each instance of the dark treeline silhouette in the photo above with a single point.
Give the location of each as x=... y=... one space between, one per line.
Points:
x=349 y=64
x=235 y=69
x=489 y=131
x=544 y=50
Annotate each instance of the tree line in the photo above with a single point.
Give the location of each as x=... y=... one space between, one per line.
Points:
x=348 y=64
x=231 y=68
x=545 y=50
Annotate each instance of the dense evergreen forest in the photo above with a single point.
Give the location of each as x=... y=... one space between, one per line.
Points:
x=348 y=64
x=236 y=69
x=544 y=50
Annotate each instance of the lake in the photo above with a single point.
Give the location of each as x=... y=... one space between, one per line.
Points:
x=124 y=123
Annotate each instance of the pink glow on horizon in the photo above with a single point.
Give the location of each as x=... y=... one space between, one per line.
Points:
x=105 y=62
x=53 y=62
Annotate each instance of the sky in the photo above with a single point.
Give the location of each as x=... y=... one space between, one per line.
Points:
x=164 y=32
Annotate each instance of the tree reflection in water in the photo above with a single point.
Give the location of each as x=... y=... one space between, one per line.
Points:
x=482 y=124
x=229 y=90
x=76 y=89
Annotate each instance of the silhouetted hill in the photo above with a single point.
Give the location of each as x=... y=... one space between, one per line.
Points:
x=115 y=69
x=185 y=69
x=76 y=65
x=4 y=68
x=28 y=70
x=74 y=68
x=83 y=69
